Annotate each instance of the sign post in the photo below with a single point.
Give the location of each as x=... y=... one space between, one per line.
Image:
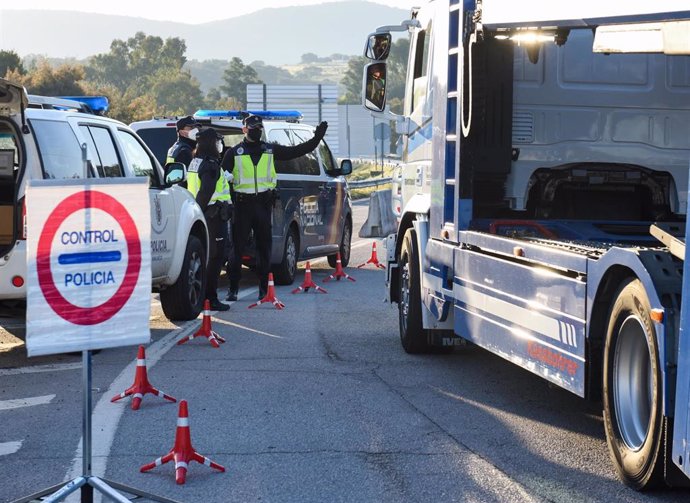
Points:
x=88 y=287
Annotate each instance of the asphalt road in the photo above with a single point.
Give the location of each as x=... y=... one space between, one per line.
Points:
x=316 y=402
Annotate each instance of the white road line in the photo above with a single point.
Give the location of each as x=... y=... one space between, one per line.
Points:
x=10 y=447
x=40 y=368
x=25 y=402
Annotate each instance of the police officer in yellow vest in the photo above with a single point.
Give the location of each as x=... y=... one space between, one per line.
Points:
x=254 y=191
x=206 y=181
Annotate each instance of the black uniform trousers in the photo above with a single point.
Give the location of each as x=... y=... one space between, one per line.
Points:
x=252 y=212
x=217 y=234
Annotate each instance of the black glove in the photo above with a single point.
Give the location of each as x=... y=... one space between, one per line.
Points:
x=321 y=130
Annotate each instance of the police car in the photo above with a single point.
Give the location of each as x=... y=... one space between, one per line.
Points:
x=41 y=138
x=313 y=217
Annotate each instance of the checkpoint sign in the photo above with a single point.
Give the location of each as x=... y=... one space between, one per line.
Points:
x=88 y=264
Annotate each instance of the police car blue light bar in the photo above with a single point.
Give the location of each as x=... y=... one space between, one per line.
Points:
x=281 y=115
x=96 y=103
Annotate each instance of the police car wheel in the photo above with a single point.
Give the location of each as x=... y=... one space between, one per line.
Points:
x=345 y=245
x=286 y=271
x=632 y=390
x=184 y=299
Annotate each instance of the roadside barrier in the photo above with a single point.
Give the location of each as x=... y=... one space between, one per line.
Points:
x=141 y=384
x=205 y=330
x=270 y=295
x=182 y=452
x=374 y=259
x=308 y=283
x=339 y=273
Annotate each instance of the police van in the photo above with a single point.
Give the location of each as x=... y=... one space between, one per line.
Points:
x=313 y=217
x=41 y=138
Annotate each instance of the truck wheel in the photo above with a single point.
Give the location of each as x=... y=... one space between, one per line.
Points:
x=632 y=390
x=287 y=269
x=184 y=300
x=412 y=335
x=345 y=245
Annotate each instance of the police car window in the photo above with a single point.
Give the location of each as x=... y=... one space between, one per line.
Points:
x=138 y=158
x=59 y=149
x=281 y=137
x=95 y=164
x=309 y=164
x=111 y=164
x=326 y=157
x=159 y=140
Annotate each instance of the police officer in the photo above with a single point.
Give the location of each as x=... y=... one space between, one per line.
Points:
x=182 y=149
x=206 y=181
x=254 y=185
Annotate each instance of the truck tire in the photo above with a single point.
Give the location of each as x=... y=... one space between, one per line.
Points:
x=412 y=336
x=287 y=269
x=184 y=300
x=632 y=390
x=345 y=246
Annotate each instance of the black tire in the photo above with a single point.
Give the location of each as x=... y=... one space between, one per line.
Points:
x=284 y=273
x=184 y=300
x=632 y=390
x=345 y=247
x=412 y=336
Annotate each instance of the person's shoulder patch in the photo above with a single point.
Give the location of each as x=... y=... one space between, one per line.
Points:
x=240 y=151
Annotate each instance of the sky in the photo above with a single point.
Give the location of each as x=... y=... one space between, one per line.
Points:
x=183 y=11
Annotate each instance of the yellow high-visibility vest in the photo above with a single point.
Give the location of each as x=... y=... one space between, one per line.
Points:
x=222 y=191
x=250 y=179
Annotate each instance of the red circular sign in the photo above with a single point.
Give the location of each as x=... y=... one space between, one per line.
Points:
x=64 y=308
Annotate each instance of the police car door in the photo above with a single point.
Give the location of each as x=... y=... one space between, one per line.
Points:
x=142 y=163
x=332 y=197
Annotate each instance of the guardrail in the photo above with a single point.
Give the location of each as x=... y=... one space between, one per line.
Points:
x=372 y=182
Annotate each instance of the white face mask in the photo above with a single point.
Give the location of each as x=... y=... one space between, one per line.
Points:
x=192 y=134
x=219 y=146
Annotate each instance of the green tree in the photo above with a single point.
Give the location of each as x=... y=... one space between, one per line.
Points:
x=352 y=81
x=309 y=57
x=10 y=60
x=236 y=76
x=46 y=80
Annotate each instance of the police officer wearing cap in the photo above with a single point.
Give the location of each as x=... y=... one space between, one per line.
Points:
x=182 y=149
x=254 y=186
x=207 y=182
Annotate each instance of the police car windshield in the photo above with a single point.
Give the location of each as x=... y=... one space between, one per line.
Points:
x=159 y=141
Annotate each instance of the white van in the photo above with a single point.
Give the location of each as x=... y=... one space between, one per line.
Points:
x=39 y=141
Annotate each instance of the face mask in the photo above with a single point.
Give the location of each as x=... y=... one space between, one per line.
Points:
x=192 y=134
x=219 y=146
x=254 y=134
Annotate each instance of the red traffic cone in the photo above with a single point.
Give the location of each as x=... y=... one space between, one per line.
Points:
x=141 y=384
x=182 y=452
x=308 y=283
x=374 y=259
x=339 y=273
x=270 y=295
x=205 y=330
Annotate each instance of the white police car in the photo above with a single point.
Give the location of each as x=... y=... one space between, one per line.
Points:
x=314 y=215
x=41 y=138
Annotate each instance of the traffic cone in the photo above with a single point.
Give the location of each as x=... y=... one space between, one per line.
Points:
x=270 y=295
x=308 y=283
x=374 y=259
x=141 y=384
x=339 y=273
x=205 y=330
x=182 y=452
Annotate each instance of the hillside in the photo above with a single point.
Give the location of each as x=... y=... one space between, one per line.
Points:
x=285 y=34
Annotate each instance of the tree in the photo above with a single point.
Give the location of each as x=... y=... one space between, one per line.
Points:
x=10 y=60
x=46 y=80
x=352 y=81
x=309 y=57
x=236 y=76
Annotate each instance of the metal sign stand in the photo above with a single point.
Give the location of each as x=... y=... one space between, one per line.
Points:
x=88 y=482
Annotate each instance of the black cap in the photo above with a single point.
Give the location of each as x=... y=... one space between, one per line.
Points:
x=186 y=121
x=253 y=121
x=209 y=134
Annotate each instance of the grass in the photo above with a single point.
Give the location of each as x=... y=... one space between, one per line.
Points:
x=366 y=171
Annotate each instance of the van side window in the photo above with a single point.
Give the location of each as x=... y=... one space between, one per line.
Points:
x=308 y=164
x=110 y=165
x=59 y=150
x=421 y=64
x=141 y=162
x=326 y=156
x=280 y=136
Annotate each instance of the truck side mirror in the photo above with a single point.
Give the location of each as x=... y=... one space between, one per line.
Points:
x=374 y=92
x=174 y=173
x=378 y=46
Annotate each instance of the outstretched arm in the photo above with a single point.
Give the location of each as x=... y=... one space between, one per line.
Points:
x=283 y=153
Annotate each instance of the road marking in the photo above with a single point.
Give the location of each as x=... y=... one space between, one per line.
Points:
x=10 y=447
x=25 y=402
x=40 y=368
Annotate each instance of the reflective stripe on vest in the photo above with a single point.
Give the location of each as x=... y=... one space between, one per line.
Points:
x=222 y=190
x=250 y=179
